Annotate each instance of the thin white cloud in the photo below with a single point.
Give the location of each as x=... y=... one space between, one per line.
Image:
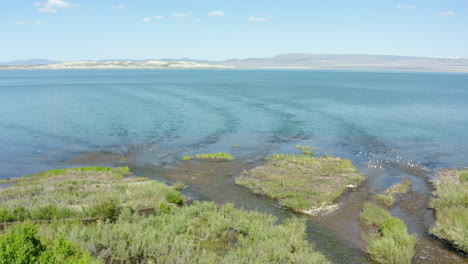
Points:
x=405 y=7
x=23 y=22
x=448 y=13
x=196 y=21
x=53 y=6
x=146 y=19
x=257 y=19
x=216 y=13
x=180 y=15
x=159 y=17
x=119 y=7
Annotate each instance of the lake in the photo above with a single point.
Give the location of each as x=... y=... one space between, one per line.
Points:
x=47 y=117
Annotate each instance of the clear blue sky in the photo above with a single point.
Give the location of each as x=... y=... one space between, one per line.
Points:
x=214 y=29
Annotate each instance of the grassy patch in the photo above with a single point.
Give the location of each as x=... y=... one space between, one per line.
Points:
x=79 y=192
x=212 y=156
x=392 y=244
x=302 y=182
x=373 y=214
x=451 y=205
x=385 y=199
x=388 y=199
x=401 y=187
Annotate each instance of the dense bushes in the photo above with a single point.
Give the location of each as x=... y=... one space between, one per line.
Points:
x=136 y=220
x=22 y=245
x=200 y=233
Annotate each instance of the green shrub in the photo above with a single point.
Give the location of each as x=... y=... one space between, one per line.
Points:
x=6 y=216
x=50 y=212
x=174 y=197
x=387 y=250
x=106 y=207
x=464 y=176
x=63 y=251
x=21 y=245
x=164 y=208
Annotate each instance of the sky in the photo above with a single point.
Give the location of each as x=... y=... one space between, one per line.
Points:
x=217 y=30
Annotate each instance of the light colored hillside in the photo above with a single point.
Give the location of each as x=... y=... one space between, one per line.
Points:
x=150 y=64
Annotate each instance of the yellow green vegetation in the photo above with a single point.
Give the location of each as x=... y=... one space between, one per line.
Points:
x=23 y=245
x=391 y=244
x=79 y=192
x=212 y=156
x=200 y=233
x=401 y=187
x=172 y=233
x=388 y=198
x=302 y=182
x=451 y=205
x=385 y=199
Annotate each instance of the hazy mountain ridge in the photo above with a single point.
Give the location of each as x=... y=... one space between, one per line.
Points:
x=117 y=64
x=29 y=62
x=292 y=60
x=349 y=61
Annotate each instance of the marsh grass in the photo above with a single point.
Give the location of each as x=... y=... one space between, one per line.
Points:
x=388 y=199
x=79 y=192
x=373 y=214
x=392 y=244
x=401 y=187
x=385 y=199
x=212 y=156
x=302 y=182
x=450 y=201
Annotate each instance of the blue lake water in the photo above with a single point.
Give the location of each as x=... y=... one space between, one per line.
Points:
x=47 y=117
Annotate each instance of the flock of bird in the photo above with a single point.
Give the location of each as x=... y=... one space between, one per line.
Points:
x=374 y=163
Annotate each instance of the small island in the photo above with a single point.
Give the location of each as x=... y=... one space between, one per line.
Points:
x=302 y=182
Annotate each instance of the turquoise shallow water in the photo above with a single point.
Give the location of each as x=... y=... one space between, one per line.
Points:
x=49 y=116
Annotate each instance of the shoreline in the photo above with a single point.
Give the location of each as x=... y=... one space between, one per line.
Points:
x=199 y=178
x=367 y=70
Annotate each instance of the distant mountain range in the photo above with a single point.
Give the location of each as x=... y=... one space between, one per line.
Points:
x=116 y=64
x=29 y=62
x=317 y=61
